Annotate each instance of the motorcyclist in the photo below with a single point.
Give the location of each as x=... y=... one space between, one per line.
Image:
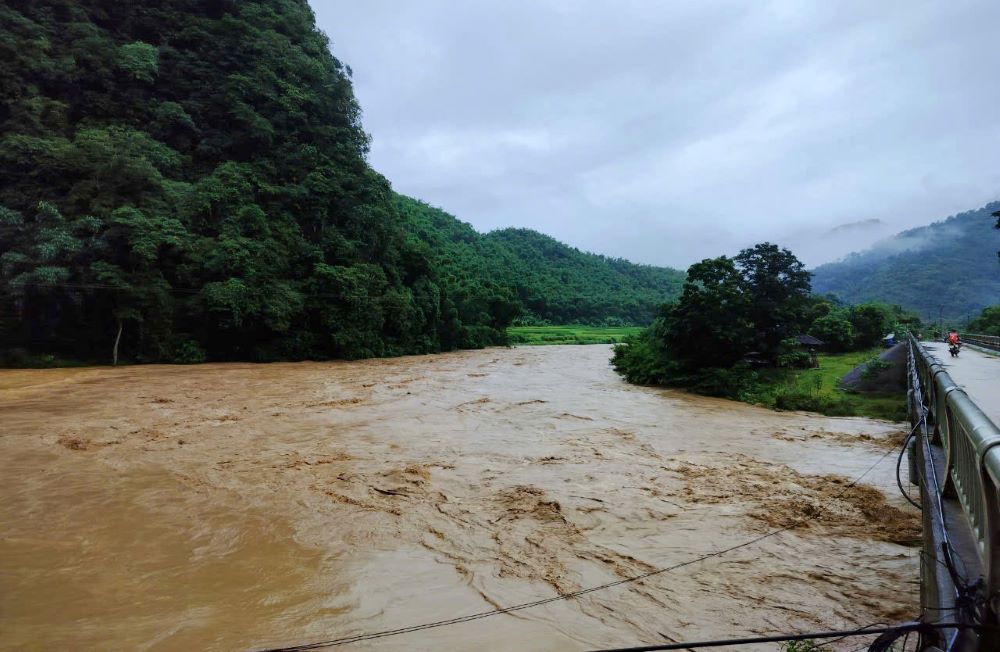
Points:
x=954 y=343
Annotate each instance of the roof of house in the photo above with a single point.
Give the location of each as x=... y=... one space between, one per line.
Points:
x=809 y=340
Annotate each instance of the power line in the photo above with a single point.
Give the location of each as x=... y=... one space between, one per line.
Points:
x=906 y=628
x=899 y=462
x=835 y=640
x=565 y=596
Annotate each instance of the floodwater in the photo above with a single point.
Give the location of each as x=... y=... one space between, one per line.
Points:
x=238 y=506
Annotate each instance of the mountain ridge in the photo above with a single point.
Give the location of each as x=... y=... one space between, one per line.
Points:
x=555 y=282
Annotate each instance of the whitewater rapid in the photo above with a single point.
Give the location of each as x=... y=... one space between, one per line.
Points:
x=241 y=506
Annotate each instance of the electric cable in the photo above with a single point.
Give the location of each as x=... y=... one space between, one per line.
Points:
x=836 y=640
x=903 y=629
x=899 y=462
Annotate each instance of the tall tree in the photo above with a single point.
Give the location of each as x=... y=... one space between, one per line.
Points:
x=710 y=326
x=729 y=307
x=776 y=286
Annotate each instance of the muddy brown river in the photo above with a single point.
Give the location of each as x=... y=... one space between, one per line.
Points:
x=238 y=506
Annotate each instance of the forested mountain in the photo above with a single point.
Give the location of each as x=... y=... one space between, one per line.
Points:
x=552 y=281
x=947 y=269
x=193 y=174
x=187 y=180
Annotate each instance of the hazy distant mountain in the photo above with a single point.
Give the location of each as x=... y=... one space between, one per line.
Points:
x=821 y=244
x=947 y=269
x=856 y=227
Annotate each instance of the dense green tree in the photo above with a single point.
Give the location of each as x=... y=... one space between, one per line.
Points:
x=987 y=323
x=711 y=324
x=737 y=315
x=729 y=308
x=871 y=322
x=836 y=331
x=553 y=283
x=820 y=306
x=181 y=179
x=776 y=286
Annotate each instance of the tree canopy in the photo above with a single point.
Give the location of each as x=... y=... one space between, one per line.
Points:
x=987 y=323
x=737 y=313
x=195 y=172
x=552 y=282
x=729 y=307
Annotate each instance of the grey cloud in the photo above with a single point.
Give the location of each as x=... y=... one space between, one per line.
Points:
x=668 y=132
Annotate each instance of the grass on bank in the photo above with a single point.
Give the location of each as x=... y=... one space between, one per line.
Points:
x=570 y=334
x=818 y=390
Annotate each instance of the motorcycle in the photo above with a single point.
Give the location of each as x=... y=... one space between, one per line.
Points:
x=953 y=349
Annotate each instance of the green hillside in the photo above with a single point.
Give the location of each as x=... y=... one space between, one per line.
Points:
x=947 y=269
x=552 y=281
x=187 y=180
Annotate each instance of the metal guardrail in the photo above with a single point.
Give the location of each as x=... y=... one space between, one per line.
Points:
x=971 y=444
x=988 y=341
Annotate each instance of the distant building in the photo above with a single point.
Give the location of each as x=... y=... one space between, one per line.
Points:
x=810 y=342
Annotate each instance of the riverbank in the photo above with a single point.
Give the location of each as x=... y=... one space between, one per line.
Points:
x=536 y=335
x=236 y=506
x=516 y=335
x=820 y=390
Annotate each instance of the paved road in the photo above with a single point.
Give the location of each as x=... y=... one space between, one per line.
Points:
x=976 y=372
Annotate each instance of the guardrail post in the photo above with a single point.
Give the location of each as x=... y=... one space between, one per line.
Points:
x=989 y=456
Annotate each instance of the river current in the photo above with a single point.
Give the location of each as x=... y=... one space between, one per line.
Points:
x=239 y=506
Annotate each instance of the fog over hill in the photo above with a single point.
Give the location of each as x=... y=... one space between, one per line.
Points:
x=861 y=226
x=947 y=269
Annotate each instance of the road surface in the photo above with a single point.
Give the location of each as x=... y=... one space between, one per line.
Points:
x=976 y=372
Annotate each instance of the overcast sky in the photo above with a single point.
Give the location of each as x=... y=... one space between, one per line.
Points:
x=666 y=131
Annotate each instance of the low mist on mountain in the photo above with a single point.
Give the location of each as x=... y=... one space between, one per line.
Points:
x=945 y=270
